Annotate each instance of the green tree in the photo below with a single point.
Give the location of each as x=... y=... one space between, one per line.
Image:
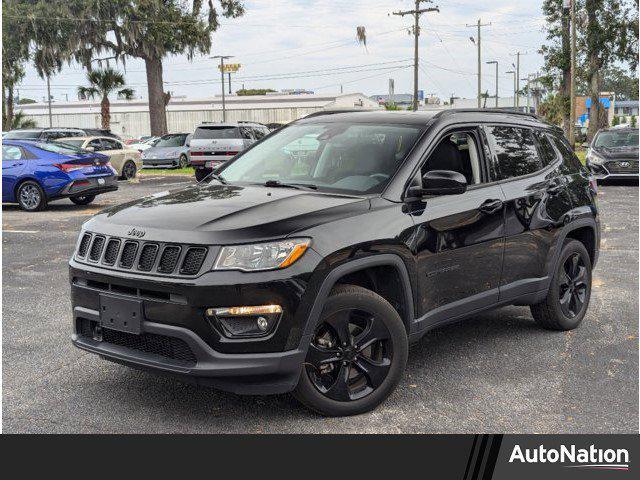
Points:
x=618 y=80
x=153 y=29
x=20 y=121
x=102 y=83
x=15 y=54
x=608 y=39
x=254 y=91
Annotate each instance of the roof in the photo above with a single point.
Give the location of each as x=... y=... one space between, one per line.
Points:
x=85 y=138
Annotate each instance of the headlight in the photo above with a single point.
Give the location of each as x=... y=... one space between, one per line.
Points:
x=261 y=256
x=593 y=157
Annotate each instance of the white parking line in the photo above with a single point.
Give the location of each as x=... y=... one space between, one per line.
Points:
x=20 y=231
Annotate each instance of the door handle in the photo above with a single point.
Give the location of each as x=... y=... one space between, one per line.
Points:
x=491 y=206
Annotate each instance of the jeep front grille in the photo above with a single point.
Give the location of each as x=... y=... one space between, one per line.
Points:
x=142 y=256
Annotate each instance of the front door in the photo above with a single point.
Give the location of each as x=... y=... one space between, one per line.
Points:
x=459 y=239
x=13 y=163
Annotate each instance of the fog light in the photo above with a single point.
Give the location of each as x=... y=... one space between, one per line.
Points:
x=246 y=321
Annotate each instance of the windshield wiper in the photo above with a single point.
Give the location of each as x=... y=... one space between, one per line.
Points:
x=217 y=177
x=298 y=186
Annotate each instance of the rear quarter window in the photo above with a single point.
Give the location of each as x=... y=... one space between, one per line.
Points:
x=569 y=158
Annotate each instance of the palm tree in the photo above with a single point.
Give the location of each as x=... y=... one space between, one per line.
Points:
x=104 y=82
x=18 y=120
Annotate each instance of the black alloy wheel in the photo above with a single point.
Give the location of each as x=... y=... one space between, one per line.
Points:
x=567 y=299
x=350 y=355
x=357 y=354
x=573 y=287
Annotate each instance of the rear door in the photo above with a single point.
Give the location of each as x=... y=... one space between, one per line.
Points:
x=536 y=202
x=460 y=238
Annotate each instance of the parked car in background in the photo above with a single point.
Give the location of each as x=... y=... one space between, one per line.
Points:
x=33 y=173
x=213 y=144
x=126 y=161
x=144 y=143
x=170 y=150
x=613 y=153
x=49 y=134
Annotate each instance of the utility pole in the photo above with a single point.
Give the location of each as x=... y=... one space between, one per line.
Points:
x=222 y=58
x=572 y=115
x=49 y=101
x=528 y=80
x=514 y=86
x=416 y=33
x=479 y=25
x=496 y=63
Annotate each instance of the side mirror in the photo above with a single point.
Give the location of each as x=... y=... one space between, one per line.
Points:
x=441 y=182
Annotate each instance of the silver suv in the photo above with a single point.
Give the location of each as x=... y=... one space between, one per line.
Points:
x=213 y=143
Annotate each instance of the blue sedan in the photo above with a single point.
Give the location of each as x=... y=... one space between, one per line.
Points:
x=33 y=173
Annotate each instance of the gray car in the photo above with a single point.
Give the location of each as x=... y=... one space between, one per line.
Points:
x=170 y=151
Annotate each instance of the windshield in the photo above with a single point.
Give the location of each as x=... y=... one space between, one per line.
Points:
x=24 y=134
x=62 y=148
x=336 y=157
x=612 y=139
x=210 y=133
x=171 y=140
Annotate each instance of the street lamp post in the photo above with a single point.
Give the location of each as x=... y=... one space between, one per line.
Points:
x=514 y=86
x=222 y=58
x=496 y=64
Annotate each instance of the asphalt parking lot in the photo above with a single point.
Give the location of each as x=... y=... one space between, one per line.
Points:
x=495 y=373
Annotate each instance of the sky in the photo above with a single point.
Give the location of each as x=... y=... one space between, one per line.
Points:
x=314 y=42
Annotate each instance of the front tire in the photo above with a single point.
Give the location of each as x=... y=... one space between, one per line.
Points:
x=82 y=199
x=357 y=354
x=129 y=170
x=31 y=197
x=566 y=303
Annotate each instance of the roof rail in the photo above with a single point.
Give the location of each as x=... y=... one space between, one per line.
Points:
x=503 y=111
x=346 y=110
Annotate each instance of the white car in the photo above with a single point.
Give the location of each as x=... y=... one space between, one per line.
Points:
x=145 y=144
x=125 y=160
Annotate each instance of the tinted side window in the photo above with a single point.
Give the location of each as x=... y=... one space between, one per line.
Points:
x=258 y=133
x=247 y=133
x=548 y=154
x=97 y=144
x=515 y=150
x=108 y=144
x=569 y=158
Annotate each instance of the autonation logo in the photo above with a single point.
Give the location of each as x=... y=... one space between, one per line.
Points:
x=592 y=457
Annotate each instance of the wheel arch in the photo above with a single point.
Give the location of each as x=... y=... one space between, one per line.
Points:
x=584 y=230
x=26 y=179
x=362 y=268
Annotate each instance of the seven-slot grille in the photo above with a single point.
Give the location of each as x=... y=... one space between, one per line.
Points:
x=142 y=256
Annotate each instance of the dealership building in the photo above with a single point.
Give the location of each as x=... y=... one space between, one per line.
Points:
x=130 y=118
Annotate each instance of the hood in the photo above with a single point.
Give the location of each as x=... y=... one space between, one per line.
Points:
x=219 y=214
x=618 y=152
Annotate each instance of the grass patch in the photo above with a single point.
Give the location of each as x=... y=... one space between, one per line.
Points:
x=167 y=171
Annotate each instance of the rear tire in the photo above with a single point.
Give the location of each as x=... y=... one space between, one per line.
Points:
x=183 y=162
x=83 y=199
x=351 y=371
x=568 y=298
x=31 y=197
x=129 y=170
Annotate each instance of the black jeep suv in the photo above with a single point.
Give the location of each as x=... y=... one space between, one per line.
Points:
x=312 y=260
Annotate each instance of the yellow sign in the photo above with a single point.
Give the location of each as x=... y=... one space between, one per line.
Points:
x=230 y=67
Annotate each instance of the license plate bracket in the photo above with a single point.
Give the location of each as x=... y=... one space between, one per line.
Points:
x=121 y=314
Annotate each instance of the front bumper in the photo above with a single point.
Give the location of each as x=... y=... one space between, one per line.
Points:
x=258 y=373
x=614 y=170
x=173 y=311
